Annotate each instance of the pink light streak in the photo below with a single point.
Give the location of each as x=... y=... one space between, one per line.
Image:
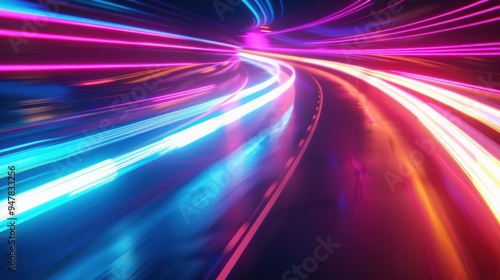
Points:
x=60 y=67
x=349 y=10
x=11 y=33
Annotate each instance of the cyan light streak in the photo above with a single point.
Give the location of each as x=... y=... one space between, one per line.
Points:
x=65 y=188
x=23 y=146
x=263 y=12
x=70 y=185
x=36 y=157
x=258 y=20
x=236 y=169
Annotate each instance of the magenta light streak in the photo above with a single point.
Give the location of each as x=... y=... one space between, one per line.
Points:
x=377 y=12
x=87 y=113
x=436 y=17
x=444 y=53
x=424 y=51
x=440 y=30
x=10 y=33
x=29 y=18
x=99 y=110
x=376 y=34
x=230 y=99
x=458 y=46
x=340 y=14
x=182 y=94
x=451 y=54
x=449 y=82
x=441 y=23
x=484 y=49
x=46 y=67
x=389 y=38
x=256 y=39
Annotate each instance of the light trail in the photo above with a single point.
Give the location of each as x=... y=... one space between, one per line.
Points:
x=37 y=157
x=139 y=68
x=26 y=14
x=105 y=171
x=349 y=10
x=480 y=165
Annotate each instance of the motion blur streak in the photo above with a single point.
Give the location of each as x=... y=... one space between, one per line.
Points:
x=481 y=166
x=99 y=173
x=31 y=158
x=24 y=13
x=250 y=139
